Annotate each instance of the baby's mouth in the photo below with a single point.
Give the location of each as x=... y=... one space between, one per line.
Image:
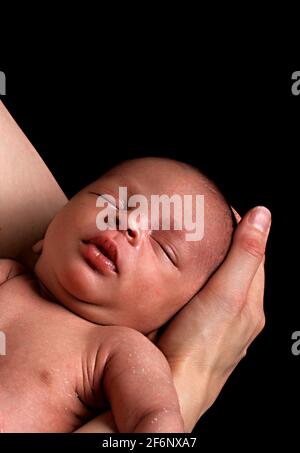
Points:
x=101 y=253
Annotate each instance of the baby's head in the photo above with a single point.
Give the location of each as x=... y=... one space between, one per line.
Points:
x=141 y=277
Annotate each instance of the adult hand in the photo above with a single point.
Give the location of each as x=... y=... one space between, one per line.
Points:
x=204 y=342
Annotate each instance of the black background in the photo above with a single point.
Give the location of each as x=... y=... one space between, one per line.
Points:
x=230 y=113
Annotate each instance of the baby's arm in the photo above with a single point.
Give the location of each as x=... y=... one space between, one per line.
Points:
x=138 y=383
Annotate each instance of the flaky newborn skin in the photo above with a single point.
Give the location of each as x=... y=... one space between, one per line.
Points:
x=60 y=370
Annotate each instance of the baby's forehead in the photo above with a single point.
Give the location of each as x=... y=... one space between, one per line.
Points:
x=179 y=191
x=154 y=176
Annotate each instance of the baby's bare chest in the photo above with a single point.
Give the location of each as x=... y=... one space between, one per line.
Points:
x=41 y=363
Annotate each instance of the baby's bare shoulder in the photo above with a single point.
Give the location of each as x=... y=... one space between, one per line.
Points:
x=123 y=347
x=103 y=341
x=107 y=346
x=98 y=346
x=9 y=269
x=119 y=338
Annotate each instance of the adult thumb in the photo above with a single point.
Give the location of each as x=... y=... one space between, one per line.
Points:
x=235 y=275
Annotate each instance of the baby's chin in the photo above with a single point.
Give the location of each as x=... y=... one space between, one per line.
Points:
x=86 y=309
x=67 y=290
x=68 y=279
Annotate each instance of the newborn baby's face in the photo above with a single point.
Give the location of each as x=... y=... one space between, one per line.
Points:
x=142 y=277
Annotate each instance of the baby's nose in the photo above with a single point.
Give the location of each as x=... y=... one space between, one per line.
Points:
x=136 y=226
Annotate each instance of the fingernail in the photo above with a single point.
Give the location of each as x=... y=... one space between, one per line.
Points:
x=260 y=218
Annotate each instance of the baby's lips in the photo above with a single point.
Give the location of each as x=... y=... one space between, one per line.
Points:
x=107 y=247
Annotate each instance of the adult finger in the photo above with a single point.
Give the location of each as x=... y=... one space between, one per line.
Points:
x=236 y=215
x=256 y=291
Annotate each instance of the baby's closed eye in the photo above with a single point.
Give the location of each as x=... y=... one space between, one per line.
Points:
x=166 y=250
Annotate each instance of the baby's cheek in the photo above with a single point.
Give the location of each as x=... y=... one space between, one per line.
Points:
x=157 y=290
x=149 y=295
x=147 y=288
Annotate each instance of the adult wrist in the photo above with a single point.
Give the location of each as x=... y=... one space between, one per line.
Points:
x=192 y=390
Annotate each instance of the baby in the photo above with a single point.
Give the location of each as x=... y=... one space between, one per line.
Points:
x=76 y=330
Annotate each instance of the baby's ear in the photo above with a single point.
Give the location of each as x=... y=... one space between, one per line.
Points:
x=38 y=247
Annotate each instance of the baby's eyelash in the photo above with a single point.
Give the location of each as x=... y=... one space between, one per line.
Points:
x=165 y=252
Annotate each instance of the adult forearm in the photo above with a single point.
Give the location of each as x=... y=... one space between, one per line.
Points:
x=29 y=194
x=192 y=391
